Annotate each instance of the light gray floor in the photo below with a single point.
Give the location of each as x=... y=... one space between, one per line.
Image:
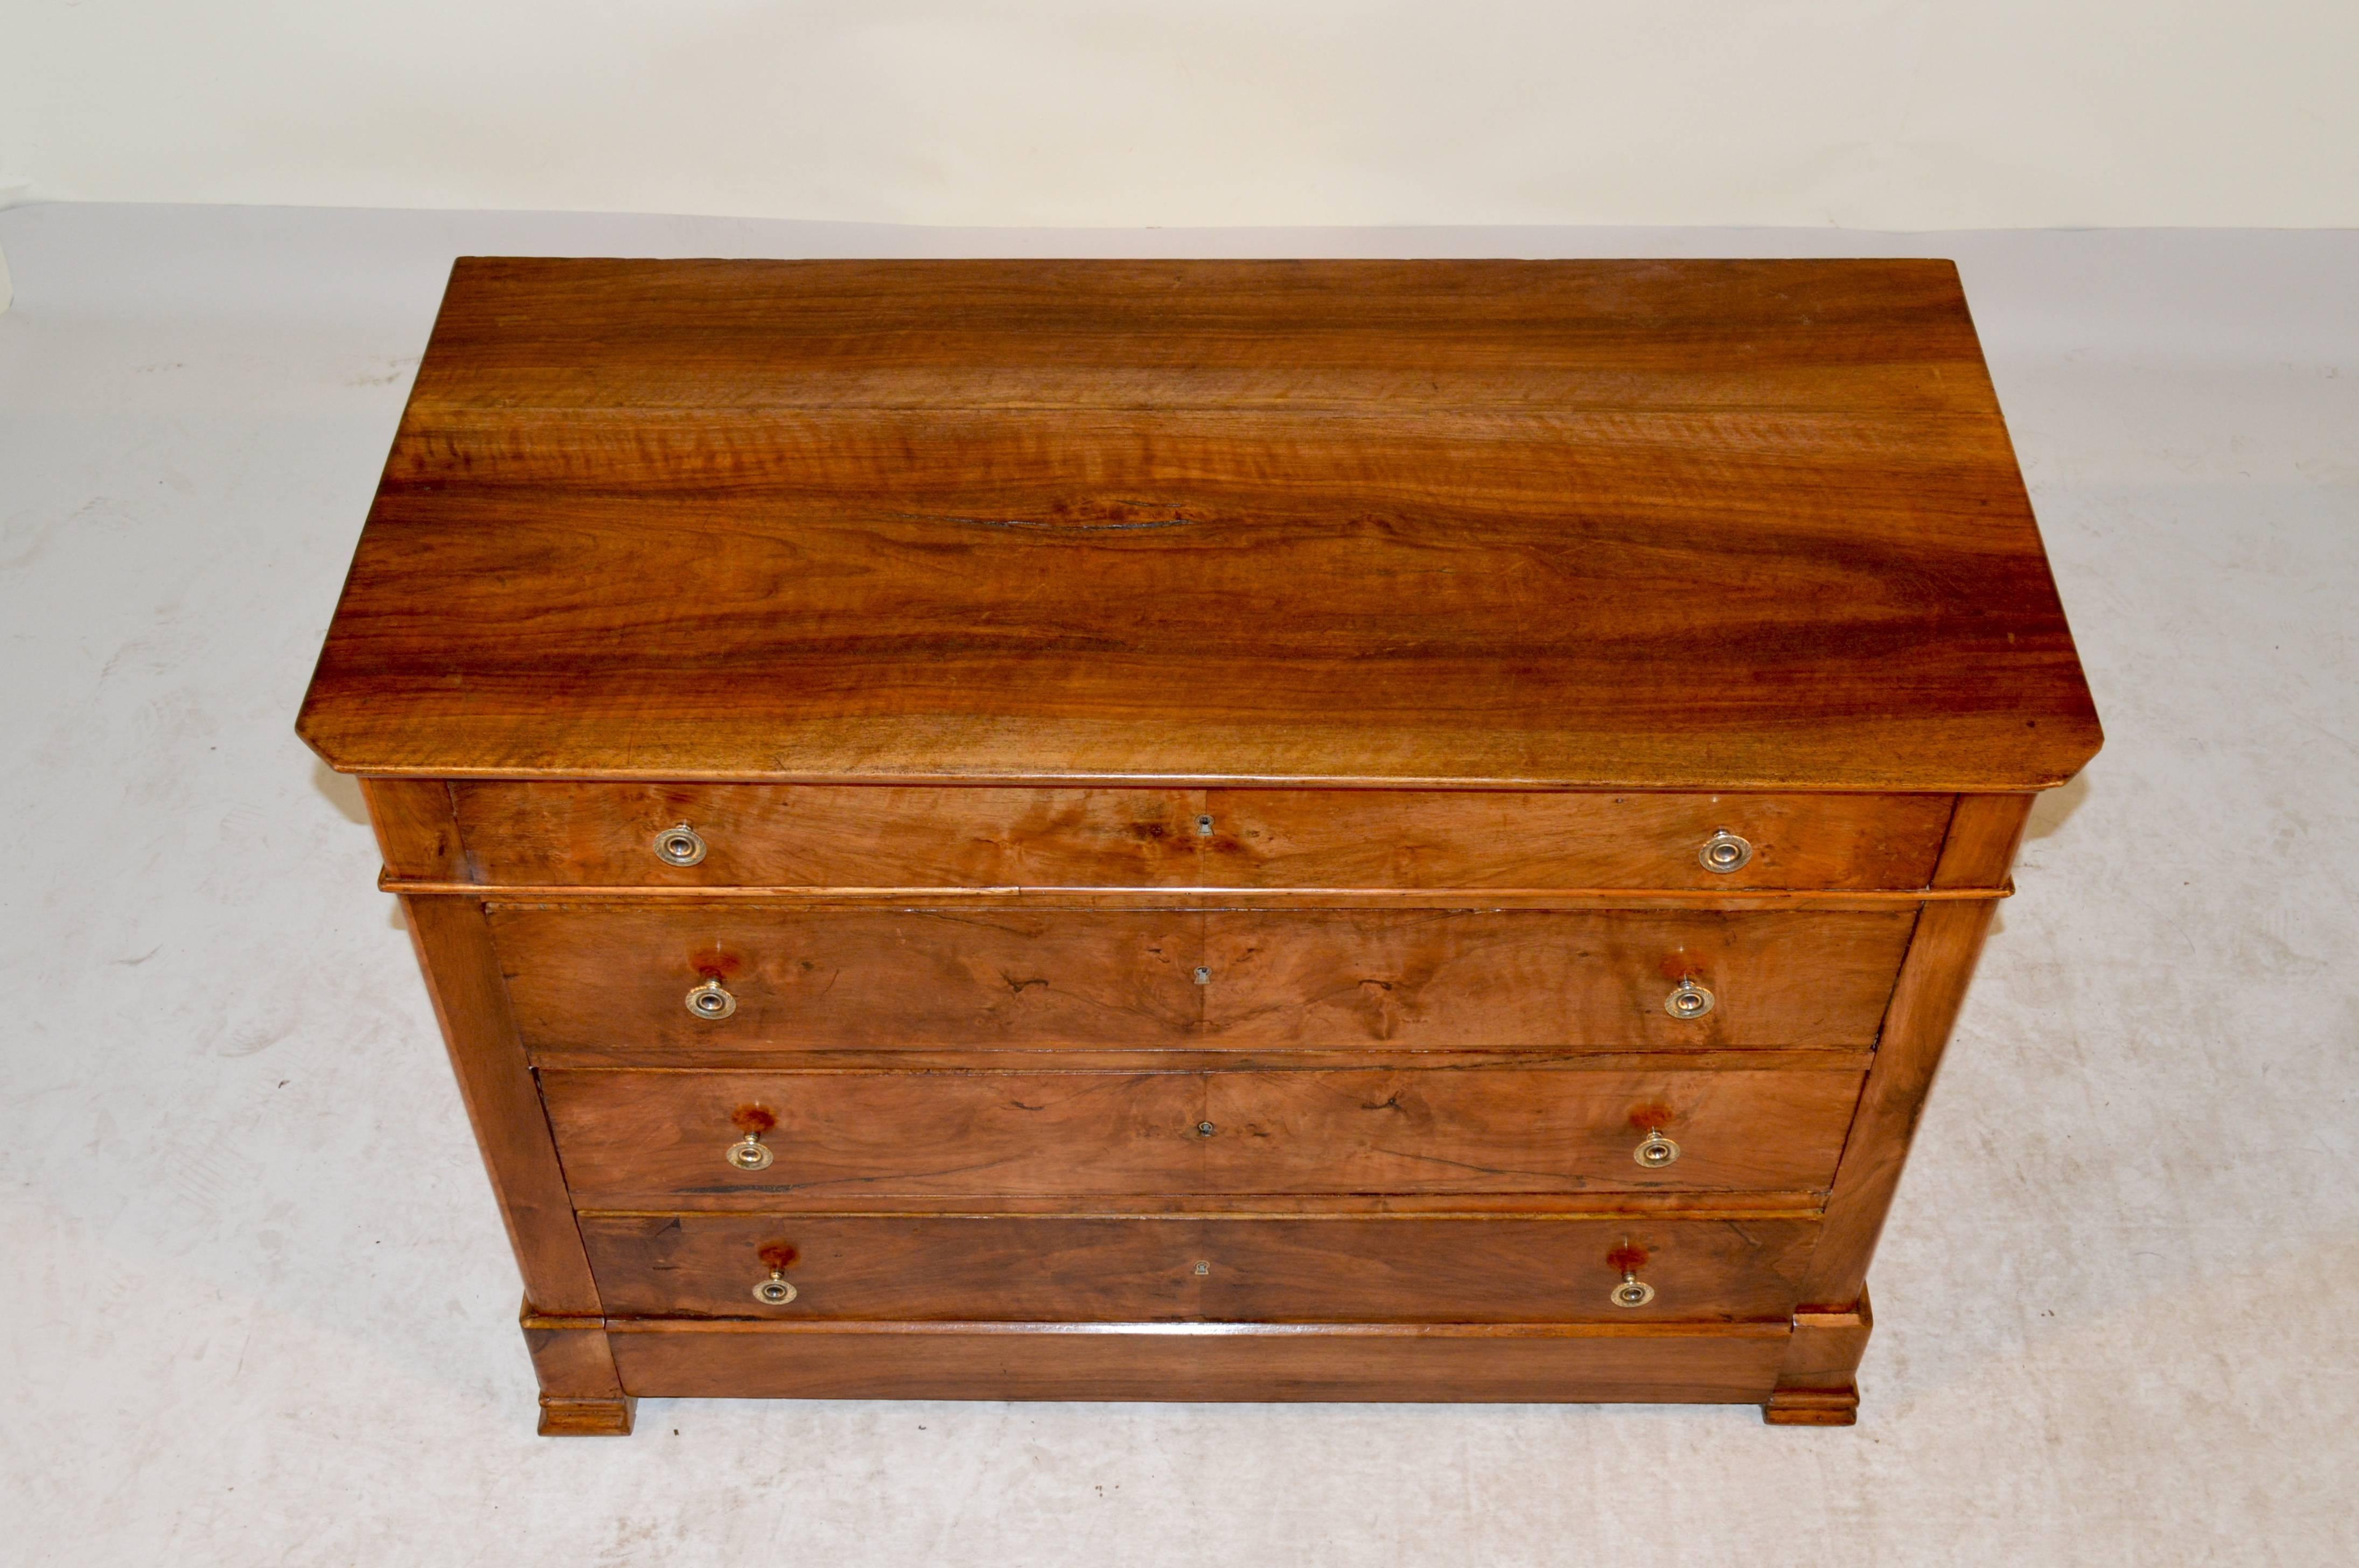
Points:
x=256 y=1303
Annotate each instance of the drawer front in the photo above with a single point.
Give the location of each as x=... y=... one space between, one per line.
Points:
x=851 y=978
x=1551 y=838
x=1521 y=978
x=678 y=1139
x=1253 y=1269
x=619 y=979
x=829 y=836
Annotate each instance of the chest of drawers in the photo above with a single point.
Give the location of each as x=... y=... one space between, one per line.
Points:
x=1251 y=830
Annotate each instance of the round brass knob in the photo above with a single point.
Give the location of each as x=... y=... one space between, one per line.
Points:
x=1656 y=1152
x=1632 y=1291
x=679 y=845
x=711 y=1000
x=1724 y=851
x=1690 y=1000
x=750 y=1154
x=775 y=1291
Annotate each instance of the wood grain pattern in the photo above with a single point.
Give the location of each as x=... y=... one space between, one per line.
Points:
x=1106 y=1268
x=1201 y=765
x=580 y=1396
x=415 y=830
x=1074 y=1058
x=1710 y=1363
x=1703 y=526
x=651 y=1140
x=1817 y=1385
x=820 y=836
x=1435 y=978
x=1520 y=978
x=1925 y=1003
x=523 y=833
x=502 y=1103
x=1396 y=840
x=1869 y=900
x=1001 y=976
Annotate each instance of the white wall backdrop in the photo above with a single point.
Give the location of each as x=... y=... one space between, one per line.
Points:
x=1875 y=114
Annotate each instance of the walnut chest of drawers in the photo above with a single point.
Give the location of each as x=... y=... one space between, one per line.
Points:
x=1262 y=831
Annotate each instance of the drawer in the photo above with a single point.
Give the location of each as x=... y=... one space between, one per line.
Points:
x=1432 y=979
x=1561 y=839
x=620 y=978
x=676 y=1140
x=828 y=835
x=1131 y=1270
x=619 y=981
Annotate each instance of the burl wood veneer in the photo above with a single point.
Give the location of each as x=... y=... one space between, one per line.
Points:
x=1362 y=830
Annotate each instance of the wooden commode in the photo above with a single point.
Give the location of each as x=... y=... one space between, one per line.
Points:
x=1199 y=831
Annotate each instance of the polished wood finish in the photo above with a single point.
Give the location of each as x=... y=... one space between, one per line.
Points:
x=1983 y=842
x=1403 y=840
x=1817 y=1385
x=1128 y=980
x=853 y=978
x=831 y=836
x=1201 y=767
x=643 y=1139
x=520 y=833
x=416 y=830
x=503 y=1104
x=1111 y=1267
x=571 y=1354
x=1443 y=978
x=1652 y=1363
x=1694 y=526
x=590 y=895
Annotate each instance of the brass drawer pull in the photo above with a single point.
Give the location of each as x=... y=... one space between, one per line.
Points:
x=1688 y=1001
x=1657 y=1152
x=749 y=1152
x=711 y=1001
x=777 y=1290
x=1632 y=1291
x=679 y=845
x=1725 y=851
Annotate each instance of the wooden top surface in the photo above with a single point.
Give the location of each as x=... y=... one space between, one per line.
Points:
x=1645 y=524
